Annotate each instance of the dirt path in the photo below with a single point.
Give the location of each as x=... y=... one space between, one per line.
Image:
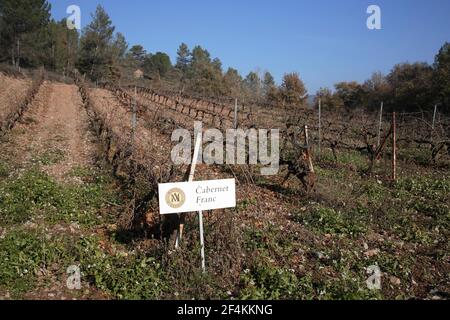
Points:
x=54 y=132
x=67 y=122
x=53 y=136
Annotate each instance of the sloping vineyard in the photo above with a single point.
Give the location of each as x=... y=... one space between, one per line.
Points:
x=16 y=94
x=319 y=215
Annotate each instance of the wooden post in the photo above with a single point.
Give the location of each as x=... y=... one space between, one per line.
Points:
x=133 y=117
x=308 y=150
x=235 y=114
x=434 y=118
x=200 y=213
x=202 y=241
x=320 y=125
x=394 y=147
x=306 y=136
x=380 y=124
x=18 y=54
x=191 y=178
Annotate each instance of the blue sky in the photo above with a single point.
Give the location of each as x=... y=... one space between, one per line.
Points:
x=325 y=41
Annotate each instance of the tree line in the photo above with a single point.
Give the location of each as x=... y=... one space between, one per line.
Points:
x=30 y=38
x=408 y=87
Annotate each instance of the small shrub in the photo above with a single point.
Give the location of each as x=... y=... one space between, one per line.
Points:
x=265 y=282
x=329 y=221
x=129 y=277
x=23 y=254
x=51 y=157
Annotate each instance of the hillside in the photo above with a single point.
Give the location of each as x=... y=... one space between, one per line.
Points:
x=77 y=190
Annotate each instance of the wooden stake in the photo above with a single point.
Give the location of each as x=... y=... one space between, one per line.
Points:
x=380 y=124
x=306 y=136
x=202 y=241
x=320 y=125
x=394 y=148
x=200 y=213
x=308 y=150
x=133 y=116
x=191 y=178
x=236 y=114
x=434 y=117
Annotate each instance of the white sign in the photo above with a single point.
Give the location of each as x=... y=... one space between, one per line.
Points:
x=196 y=196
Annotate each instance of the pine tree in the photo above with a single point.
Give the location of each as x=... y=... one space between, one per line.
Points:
x=253 y=85
x=183 y=58
x=205 y=76
x=95 y=53
x=233 y=83
x=20 y=20
x=442 y=77
x=137 y=54
x=61 y=47
x=269 y=87
x=157 y=64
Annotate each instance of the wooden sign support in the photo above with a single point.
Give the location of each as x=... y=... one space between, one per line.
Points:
x=200 y=213
x=191 y=178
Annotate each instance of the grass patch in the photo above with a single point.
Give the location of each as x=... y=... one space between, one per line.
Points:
x=431 y=188
x=4 y=170
x=81 y=172
x=23 y=255
x=36 y=193
x=270 y=239
x=355 y=158
x=21 y=196
x=263 y=281
x=420 y=156
x=50 y=157
x=121 y=275
x=428 y=200
x=326 y=220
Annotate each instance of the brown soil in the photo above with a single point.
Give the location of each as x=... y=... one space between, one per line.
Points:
x=55 y=131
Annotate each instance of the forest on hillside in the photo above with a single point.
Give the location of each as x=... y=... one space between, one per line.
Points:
x=31 y=38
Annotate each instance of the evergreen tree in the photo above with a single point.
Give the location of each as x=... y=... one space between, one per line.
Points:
x=138 y=54
x=183 y=58
x=268 y=81
x=411 y=86
x=120 y=46
x=200 y=56
x=233 y=83
x=441 y=77
x=269 y=87
x=328 y=100
x=253 y=86
x=61 y=47
x=95 y=52
x=157 y=64
x=204 y=76
x=20 y=21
